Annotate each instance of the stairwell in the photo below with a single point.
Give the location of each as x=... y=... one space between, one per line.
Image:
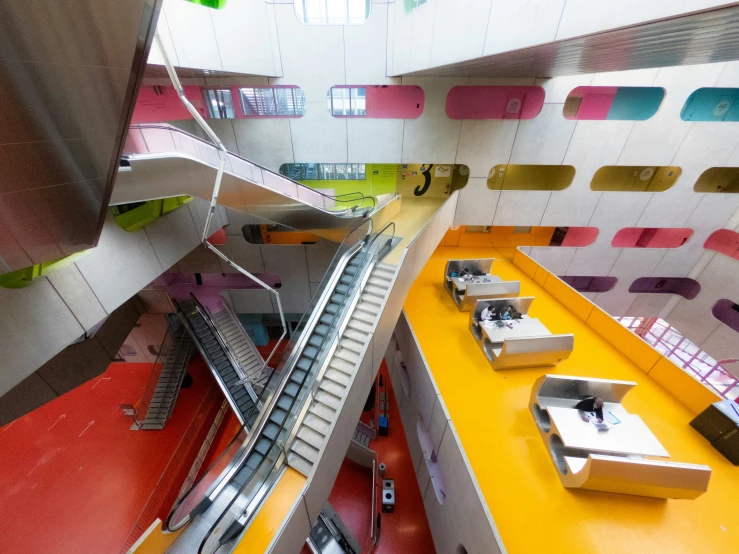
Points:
x=330 y=390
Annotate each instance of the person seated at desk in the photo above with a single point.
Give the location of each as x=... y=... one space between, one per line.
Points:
x=507 y=314
x=488 y=314
x=592 y=404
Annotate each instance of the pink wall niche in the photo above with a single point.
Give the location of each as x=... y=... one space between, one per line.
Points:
x=651 y=237
x=156 y=104
x=725 y=242
x=580 y=236
x=594 y=102
x=494 y=102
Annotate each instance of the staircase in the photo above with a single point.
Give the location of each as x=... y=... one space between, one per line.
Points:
x=244 y=350
x=177 y=348
x=221 y=361
x=331 y=390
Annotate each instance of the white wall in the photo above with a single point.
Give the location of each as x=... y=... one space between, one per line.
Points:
x=40 y=320
x=442 y=32
x=316 y=57
x=464 y=517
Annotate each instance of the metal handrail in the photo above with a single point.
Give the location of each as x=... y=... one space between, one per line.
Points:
x=246 y=514
x=143 y=406
x=172 y=128
x=227 y=349
x=243 y=333
x=218 y=378
x=269 y=402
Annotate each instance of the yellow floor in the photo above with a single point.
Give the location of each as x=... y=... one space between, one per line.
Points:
x=272 y=513
x=413 y=216
x=532 y=510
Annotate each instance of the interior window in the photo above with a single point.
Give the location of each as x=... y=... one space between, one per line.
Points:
x=219 y=103
x=332 y=12
x=272 y=101
x=347 y=101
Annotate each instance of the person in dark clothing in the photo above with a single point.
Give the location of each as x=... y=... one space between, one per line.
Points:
x=592 y=404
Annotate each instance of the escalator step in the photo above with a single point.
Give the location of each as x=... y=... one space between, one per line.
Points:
x=327 y=319
x=284 y=403
x=351 y=270
x=278 y=416
x=337 y=298
x=346 y=280
x=355 y=261
x=316 y=340
x=332 y=308
x=252 y=463
x=310 y=352
x=304 y=364
x=321 y=330
x=342 y=289
x=298 y=376
x=271 y=430
x=291 y=390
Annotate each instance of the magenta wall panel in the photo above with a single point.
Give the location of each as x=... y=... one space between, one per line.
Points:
x=160 y=104
x=493 y=102
x=580 y=236
x=651 y=237
x=724 y=241
x=596 y=103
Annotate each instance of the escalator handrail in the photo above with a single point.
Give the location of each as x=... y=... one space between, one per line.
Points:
x=211 y=363
x=290 y=366
x=226 y=348
x=365 y=275
x=313 y=316
x=321 y=298
x=337 y=197
x=351 y=299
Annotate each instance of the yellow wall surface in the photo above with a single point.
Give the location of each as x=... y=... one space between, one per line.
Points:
x=534 y=513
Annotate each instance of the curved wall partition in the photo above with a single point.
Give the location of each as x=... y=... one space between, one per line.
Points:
x=613 y=103
x=712 y=104
x=727 y=312
x=651 y=237
x=724 y=241
x=375 y=101
x=683 y=286
x=624 y=178
x=530 y=177
x=718 y=179
x=494 y=102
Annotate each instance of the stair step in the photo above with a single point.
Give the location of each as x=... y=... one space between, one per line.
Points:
x=307 y=451
x=299 y=463
x=356 y=335
x=348 y=356
x=316 y=423
x=332 y=387
x=378 y=282
x=353 y=345
x=313 y=438
x=338 y=376
x=328 y=399
x=369 y=307
x=375 y=290
x=323 y=411
x=342 y=365
x=364 y=317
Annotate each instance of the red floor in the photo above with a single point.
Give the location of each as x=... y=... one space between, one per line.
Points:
x=73 y=477
x=406 y=530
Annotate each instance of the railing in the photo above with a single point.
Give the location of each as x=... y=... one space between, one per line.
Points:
x=277 y=381
x=224 y=387
x=279 y=446
x=142 y=407
x=302 y=192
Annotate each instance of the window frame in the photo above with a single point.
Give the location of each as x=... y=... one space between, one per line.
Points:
x=298 y=100
x=330 y=101
x=305 y=19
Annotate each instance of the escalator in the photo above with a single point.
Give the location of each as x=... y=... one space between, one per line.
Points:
x=163 y=161
x=223 y=507
x=222 y=361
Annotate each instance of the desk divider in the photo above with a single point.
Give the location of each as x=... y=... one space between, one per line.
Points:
x=690 y=392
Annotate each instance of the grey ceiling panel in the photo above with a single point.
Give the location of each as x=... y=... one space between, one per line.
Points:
x=705 y=37
x=69 y=75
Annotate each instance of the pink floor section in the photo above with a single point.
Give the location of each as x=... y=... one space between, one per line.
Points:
x=406 y=531
x=73 y=478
